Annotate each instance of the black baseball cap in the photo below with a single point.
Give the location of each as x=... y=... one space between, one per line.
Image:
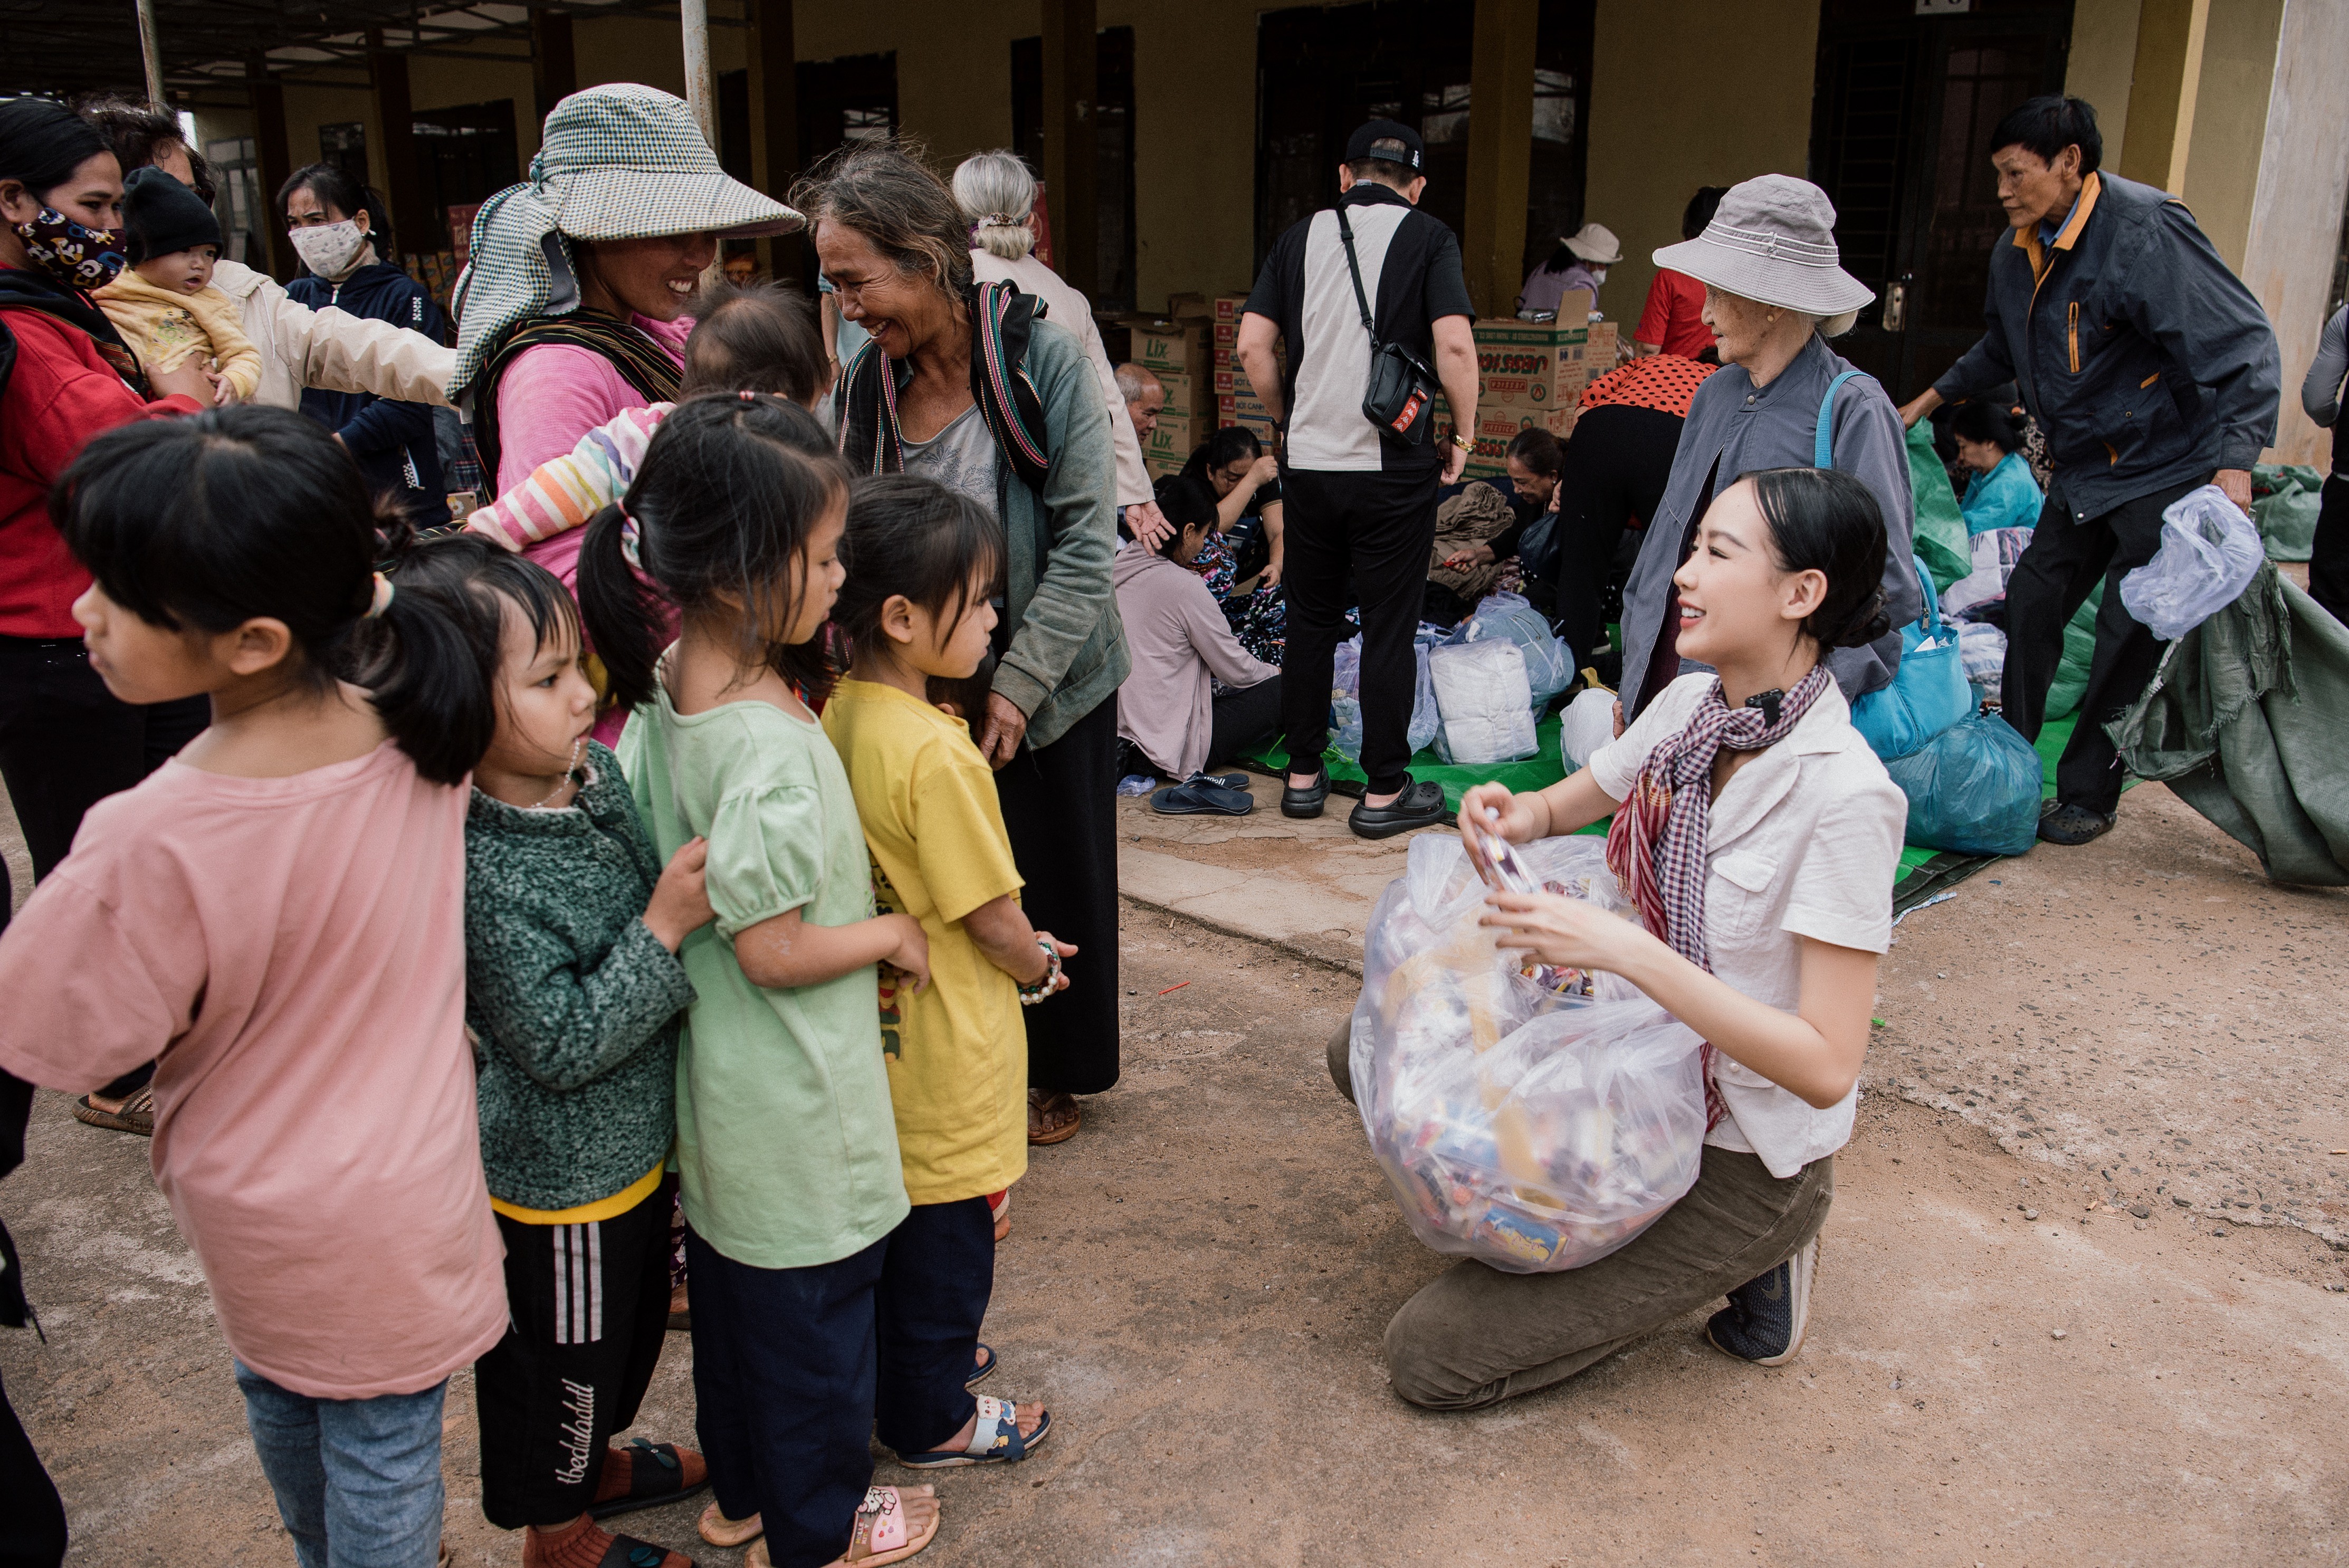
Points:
x=1390 y=139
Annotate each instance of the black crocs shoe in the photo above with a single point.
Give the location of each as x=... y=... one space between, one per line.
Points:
x=1420 y=805
x=1307 y=801
x=1765 y=1318
x=2073 y=825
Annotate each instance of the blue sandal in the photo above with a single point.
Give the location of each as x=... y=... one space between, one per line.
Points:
x=995 y=1439
x=980 y=1374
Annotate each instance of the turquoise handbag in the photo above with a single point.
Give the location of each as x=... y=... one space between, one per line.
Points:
x=1929 y=691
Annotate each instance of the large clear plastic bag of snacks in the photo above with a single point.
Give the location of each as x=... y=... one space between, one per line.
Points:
x=1534 y=1118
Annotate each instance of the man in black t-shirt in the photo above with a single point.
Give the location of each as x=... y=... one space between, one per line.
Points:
x=1361 y=500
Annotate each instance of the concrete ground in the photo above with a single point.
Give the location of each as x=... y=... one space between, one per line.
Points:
x=2006 y=1364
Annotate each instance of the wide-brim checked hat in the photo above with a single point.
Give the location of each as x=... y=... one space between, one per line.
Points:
x=628 y=162
x=620 y=161
x=1773 y=241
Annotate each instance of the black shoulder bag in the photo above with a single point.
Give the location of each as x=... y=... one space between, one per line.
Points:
x=1402 y=393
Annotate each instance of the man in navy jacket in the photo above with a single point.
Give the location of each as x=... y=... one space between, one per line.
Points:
x=2151 y=370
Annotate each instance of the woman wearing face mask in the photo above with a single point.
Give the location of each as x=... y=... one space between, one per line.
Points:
x=1580 y=261
x=65 y=741
x=573 y=309
x=339 y=229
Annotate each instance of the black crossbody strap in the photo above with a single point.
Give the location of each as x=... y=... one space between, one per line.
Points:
x=1361 y=300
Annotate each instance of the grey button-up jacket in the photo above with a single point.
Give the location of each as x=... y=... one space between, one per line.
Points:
x=1734 y=428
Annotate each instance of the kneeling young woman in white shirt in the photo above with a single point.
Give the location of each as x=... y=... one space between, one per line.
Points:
x=1759 y=837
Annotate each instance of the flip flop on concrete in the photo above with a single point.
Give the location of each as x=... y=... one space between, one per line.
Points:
x=1204 y=795
x=135 y=1114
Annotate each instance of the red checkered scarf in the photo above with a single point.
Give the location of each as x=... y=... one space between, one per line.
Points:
x=1656 y=847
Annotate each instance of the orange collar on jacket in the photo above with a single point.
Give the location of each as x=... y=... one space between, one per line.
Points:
x=2027 y=238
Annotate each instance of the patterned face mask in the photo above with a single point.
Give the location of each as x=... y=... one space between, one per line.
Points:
x=75 y=254
x=330 y=250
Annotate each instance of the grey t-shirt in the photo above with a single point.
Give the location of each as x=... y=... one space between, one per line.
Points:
x=961 y=457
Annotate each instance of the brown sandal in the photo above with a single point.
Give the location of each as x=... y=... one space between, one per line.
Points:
x=137 y=1115
x=1052 y=1118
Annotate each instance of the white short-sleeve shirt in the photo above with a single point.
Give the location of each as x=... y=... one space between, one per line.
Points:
x=1804 y=840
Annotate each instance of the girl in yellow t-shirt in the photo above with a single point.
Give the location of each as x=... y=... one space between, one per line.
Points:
x=924 y=562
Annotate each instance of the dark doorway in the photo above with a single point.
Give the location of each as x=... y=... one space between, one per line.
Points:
x=1900 y=123
x=1113 y=170
x=851 y=99
x=1322 y=72
x=344 y=147
x=463 y=155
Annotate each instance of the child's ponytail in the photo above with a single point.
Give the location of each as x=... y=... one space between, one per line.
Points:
x=730 y=489
x=424 y=669
x=623 y=618
x=255 y=512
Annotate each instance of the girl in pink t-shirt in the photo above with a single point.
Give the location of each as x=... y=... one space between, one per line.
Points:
x=276 y=917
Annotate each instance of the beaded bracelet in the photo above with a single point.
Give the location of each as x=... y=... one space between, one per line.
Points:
x=1031 y=995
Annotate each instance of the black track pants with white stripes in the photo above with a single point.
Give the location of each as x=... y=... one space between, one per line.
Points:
x=589 y=1306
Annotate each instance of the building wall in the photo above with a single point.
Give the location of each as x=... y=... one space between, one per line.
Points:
x=2103 y=64
x=2231 y=120
x=2295 y=217
x=1651 y=144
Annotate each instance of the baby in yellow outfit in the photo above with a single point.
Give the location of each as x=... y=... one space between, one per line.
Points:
x=163 y=303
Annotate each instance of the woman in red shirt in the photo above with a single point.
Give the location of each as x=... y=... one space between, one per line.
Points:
x=1673 y=321
x=65 y=376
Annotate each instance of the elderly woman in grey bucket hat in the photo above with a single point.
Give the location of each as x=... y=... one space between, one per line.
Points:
x=1774 y=293
x=571 y=308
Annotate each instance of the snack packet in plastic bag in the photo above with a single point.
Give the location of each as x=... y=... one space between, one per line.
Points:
x=1535 y=1129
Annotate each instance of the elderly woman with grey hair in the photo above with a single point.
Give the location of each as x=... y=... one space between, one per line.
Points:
x=972 y=384
x=1773 y=294
x=998 y=198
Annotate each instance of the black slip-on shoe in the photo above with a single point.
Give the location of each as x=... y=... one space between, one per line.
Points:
x=1307 y=801
x=2073 y=825
x=1419 y=805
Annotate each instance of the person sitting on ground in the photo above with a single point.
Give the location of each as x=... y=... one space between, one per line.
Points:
x=331 y=349
x=1531 y=459
x=163 y=302
x=1170 y=719
x=1752 y=762
x=1673 y=319
x=2001 y=508
x=1580 y=261
x=1246 y=548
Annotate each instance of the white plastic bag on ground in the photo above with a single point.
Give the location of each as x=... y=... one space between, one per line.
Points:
x=1345 y=699
x=1534 y=1128
x=2208 y=552
x=1549 y=666
x=1585 y=725
x=1426 y=719
x=1488 y=706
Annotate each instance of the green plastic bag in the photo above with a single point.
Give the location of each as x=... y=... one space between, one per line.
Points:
x=1940 y=538
x=2286 y=499
x=2071 y=682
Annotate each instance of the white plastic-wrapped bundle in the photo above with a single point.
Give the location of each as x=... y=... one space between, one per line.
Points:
x=1488 y=706
x=1536 y=1124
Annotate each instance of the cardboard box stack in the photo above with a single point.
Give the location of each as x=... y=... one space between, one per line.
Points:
x=1529 y=374
x=1235 y=401
x=1176 y=351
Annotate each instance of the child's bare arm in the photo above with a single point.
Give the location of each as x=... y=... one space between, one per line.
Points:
x=785 y=952
x=999 y=927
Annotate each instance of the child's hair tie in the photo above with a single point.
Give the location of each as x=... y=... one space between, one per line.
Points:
x=631 y=537
x=748 y=396
x=381 y=599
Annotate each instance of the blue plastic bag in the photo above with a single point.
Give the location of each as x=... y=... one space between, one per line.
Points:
x=1928 y=692
x=1974 y=788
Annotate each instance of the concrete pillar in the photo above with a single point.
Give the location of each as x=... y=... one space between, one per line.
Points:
x=1071 y=62
x=268 y=100
x=554 y=63
x=2221 y=170
x=2171 y=35
x=773 y=60
x=150 y=52
x=415 y=227
x=1500 y=151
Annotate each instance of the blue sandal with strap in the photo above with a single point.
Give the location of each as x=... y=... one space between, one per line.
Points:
x=994 y=1439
